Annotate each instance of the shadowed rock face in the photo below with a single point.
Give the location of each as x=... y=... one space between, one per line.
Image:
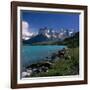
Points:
x=38 y=38
x=60 y=54
x=54 y=55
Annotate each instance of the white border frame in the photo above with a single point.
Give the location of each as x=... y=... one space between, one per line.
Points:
x=81 y=49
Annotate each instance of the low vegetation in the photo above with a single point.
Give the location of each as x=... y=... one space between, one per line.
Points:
x=62 y=67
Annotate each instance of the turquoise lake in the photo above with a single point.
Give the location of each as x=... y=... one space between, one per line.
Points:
x=34 y=54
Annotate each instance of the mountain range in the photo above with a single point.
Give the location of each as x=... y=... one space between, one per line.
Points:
x=44 y=38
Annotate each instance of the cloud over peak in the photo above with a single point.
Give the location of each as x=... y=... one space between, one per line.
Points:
x=26 y=30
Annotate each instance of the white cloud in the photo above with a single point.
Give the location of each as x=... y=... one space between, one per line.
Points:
x=25 y=31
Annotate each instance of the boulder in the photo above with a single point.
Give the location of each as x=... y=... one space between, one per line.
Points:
x=46 y=64
x=25 y=74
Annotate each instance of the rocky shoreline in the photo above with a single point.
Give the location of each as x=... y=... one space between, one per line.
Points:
x=44 y=66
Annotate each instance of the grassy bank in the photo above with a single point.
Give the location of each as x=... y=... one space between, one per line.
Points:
x=62 y=67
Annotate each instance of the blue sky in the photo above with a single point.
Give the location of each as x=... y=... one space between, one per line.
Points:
x=56 y=21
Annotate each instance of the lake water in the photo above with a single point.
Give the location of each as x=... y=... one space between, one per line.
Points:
x=34 y=54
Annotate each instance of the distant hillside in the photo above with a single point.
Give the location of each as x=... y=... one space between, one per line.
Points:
x=72 y=41
x=38 y=38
